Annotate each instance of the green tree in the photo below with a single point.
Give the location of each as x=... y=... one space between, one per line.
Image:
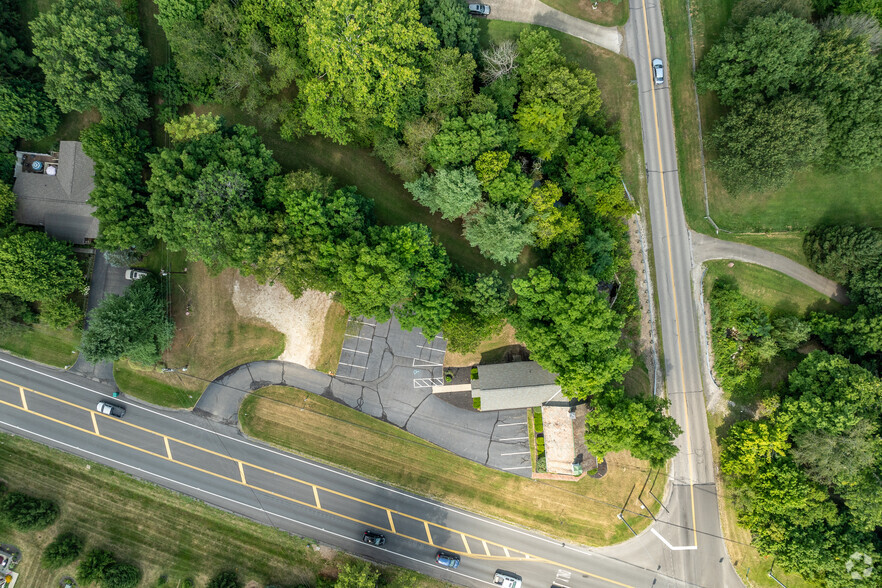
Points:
x=63 y=550
x=91 y=58
x=490 y=164
x=25 y=110
x=135 y=326
x=364 y=63
x=225 y=579
x=94 y=565
x=842 y=251
x=570 y=329
x=757 y=62
x=464 y=330
x=7 y=208
x=594 y=174
x=34 y=267
x=463 y=140
x=789 y=332
x=60 y=313
x=121 y=575
x=11 y=308
x=617 y=422
x=193 y=126
x=504 y=91
x=451 y=23
x=856 y=335
x=359 y=574
x=871 y=7
x=120 y=194
x=453 y=192
x=489 y=296
x=550 y=222
x=448 y=79
x=28 y=513
x=750 y=445
x=207 y=197
x=761 y=146
x=500 y=232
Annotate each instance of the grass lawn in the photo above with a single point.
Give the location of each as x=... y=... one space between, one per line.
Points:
x=490 y=350
x=210 y=341
x=772 y=289
x=813 y=197
x=607 y=13
x=55 y=347
x=161 y=531
x=314 y=426
x=332 y=339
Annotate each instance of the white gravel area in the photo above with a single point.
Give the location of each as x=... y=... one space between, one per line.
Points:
x=301 y=320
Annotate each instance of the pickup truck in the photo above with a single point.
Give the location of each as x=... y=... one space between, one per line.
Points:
x=506 y=579
x=111 y=409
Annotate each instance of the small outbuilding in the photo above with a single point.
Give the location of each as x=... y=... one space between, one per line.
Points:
x=521 y=384
x=52 y=191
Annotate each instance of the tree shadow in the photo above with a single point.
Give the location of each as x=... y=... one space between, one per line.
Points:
x=505 y=354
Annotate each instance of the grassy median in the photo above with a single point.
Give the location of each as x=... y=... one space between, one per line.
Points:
x=163 y=532
x=322 y=429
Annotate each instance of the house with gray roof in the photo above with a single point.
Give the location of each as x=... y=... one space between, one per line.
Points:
x=522 y=384
x=52 y=191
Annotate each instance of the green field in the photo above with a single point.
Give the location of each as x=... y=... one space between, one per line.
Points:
x=162 y=532
x=813 y=197
x=608 y=12
x=55 y=347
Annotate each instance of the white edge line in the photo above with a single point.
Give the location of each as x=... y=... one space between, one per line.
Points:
x=668 y=544
x=236 y=502
x=365 y=481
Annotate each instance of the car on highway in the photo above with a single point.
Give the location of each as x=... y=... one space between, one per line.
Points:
x=136 y=274
x=658 y=71
x=448 y=560
x=507 y=579
x=111 y=409
x=374 y=538
x=479 y=9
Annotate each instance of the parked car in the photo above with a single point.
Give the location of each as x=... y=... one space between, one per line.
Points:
x=447 y=560
x=507 y=579
x=479 y=9
x=111 y=409
x=658 y=71
x=374 y=538
x=136 y=274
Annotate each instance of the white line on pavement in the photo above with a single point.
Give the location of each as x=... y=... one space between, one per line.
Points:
x=514 y=439
x=357 y=337
x=516 y=453
x=353 y=365
x=519 y=468
x=512 y=424
x=671 y=547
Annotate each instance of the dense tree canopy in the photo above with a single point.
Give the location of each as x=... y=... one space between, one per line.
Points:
x=91 y=58
x=36 y=267
x=499 y=232
x=452 y=192
x=450 y=21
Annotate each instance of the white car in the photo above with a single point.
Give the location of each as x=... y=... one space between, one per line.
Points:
x=111 y=409
x=136 y=274
x=506 y=579
x=658 y=71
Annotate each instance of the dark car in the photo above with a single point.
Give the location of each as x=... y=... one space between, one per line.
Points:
x=658 y=71
x=479 y=9
x=373 y=538
x=111 y=409
x=447 y=560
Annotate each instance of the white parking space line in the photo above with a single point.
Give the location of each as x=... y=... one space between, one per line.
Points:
x=430 y=348
x=515 y=439
x=424 y=363
x=518 y=468
x=353 y=365
x=357 y=351
x=512 y=424
x=358 y=337
x=516 y=453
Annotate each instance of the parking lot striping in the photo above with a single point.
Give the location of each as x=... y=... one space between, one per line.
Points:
x=356 y=351
x=466 y=543
x=430 y=348
x=515 y=439
x=516 y=453
x=425 y=363
x=167 y=448
x=270 y=492
x=352 y=365
x=358 y=337
x=529 y=467
x=391 y=522
x=512 y=424
x=24 y=401
x=94 y=422
x=318 y=503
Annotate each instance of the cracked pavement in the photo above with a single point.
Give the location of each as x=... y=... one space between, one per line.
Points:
x=388 y=373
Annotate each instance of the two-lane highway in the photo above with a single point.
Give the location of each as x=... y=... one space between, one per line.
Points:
x=214 y=463
x=690 y=542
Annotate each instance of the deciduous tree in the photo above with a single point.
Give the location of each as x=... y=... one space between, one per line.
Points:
x=36 y=267
x=500 y=232
x=452 y=192
x=63 y=550
x=450 y=21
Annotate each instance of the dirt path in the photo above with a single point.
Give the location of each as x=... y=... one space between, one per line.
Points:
x=301 y=320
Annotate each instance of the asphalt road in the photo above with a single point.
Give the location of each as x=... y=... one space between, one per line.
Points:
x=215 y=463
x=690 y=542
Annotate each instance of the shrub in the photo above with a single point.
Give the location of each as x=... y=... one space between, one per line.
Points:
x=27 y=512
x=474 y=373
x=94 y=566
x=225 y=579
x=63 y=550
x=60 y=314
x=121 y=575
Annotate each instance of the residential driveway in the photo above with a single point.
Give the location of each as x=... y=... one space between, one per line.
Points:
x=705 y=248
x=384 y=372
x=106 y=279
x=535 y=12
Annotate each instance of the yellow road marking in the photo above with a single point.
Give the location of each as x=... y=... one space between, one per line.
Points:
x=671 y=267
x=95 y=423
x=466 y=543
x=391 y=522
x=242 y=473
x=24 y=401
x=318 y=503
x=315 y=487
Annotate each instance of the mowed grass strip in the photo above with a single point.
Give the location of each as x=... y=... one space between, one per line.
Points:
x=162 y=532
x=55 y=347
x=209 y=341
x=610 y=13
x=322 y=429
x=332 y=338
